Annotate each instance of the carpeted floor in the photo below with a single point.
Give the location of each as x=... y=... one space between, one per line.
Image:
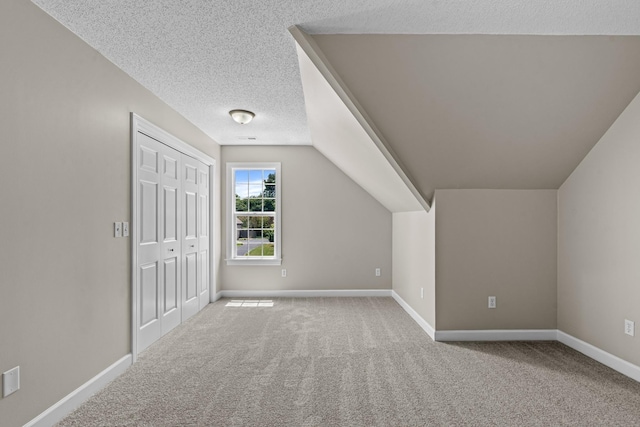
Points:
x=352 y=362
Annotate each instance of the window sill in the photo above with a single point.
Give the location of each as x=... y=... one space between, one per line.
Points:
x=238 y=261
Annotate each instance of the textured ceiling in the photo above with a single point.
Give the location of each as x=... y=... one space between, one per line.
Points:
x=205 y=57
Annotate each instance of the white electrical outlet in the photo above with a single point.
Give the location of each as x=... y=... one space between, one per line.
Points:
x=377 y=272
x=492 y=302
x=117 y=229
x=629 y=327
x=125 y=229
x=284 y=272
x=11 y=381
x=421 y=292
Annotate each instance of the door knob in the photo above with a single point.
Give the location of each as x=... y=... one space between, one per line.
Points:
x=170 y=250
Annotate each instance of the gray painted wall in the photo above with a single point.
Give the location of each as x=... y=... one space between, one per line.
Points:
x=500 y=243
x=414 y=257
x=599 y=241
x=65 y=168
x=334 y=234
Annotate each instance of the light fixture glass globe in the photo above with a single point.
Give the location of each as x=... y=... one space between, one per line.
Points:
x=242 y=116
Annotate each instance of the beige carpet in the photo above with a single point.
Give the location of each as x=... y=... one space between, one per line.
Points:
x=352 y=362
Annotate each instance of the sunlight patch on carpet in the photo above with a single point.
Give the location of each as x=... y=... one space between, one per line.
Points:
x=250 y=303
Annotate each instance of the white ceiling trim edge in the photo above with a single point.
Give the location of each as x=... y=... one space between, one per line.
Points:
x=315 y=55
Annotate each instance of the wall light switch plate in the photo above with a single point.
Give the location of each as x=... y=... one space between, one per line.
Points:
x=125 y=229
x=629 y=327
x=421 y=292
x=11 y=381
x=117 y=229
x=284 y=272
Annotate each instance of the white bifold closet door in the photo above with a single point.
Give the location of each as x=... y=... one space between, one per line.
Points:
x=190 y=276
x=173 y=260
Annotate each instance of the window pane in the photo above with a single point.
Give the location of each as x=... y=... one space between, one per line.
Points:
x=268 y=249
x=255 y=190
x=267 y=222
x=255 y=177
x=241 y=235
x=241 y=247
x=255 y=205
x=242 y=190
x=242 y=176
x=254 y=250
x=241 y=205
x=270 y=190
x=269 y=205
x=255 y=222
x=255 y=243
x=270 y=176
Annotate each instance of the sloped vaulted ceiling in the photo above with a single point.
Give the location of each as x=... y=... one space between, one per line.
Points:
x=346 y=137
x=483 y=111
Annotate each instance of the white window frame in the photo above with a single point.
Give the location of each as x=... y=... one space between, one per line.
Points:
x=232 y=259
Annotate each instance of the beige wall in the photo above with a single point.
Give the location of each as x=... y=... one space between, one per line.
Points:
x=501 y=243
x=334 y=234
x=65 y=173
x=414 y=257
x=599 y=241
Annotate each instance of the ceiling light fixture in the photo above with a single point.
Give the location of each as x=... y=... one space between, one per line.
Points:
x=241 y=116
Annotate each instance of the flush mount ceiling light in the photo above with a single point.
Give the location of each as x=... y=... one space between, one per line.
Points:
x=241 y=116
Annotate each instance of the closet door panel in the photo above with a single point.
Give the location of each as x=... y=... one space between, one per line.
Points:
x=190 y=277
x=171 y=247
x=149 y=242
x=204 y=293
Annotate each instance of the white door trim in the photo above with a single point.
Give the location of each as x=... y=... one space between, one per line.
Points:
x=139 y=124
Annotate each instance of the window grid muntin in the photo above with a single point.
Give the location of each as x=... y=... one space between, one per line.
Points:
x=261 y=202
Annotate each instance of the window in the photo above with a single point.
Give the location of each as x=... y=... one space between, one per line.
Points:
x=254 y=213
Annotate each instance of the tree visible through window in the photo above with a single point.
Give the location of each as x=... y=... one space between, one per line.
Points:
x=255 y=212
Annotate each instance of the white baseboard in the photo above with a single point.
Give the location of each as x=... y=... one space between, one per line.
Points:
x=498 y=335
x=481 y=335
x=614 y=362
x=74 y=399
x=608 y=359
x=216 y=297
x=414 y=315
x=308 y=294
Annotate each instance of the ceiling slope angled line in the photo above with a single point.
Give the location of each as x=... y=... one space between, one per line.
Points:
x=367 y=158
